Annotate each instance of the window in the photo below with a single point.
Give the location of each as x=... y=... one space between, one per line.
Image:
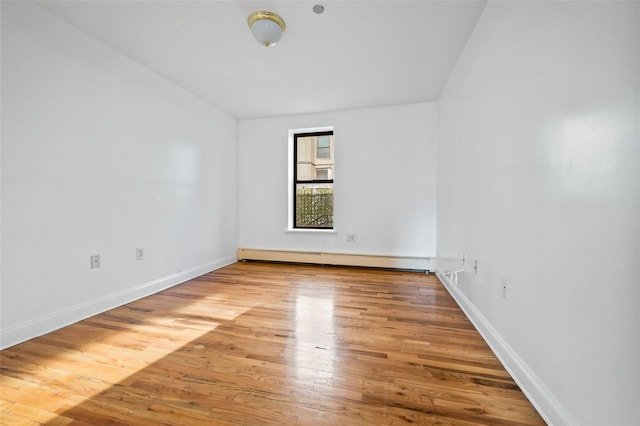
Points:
x=322 y=174
x=323 y=144
x=313 y=180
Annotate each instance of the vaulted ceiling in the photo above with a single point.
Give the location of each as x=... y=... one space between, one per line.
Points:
x=356 y=54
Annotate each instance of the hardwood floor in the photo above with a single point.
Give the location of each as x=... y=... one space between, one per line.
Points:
x=256 y=343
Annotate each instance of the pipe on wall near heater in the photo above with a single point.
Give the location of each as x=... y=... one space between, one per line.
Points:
x=453 y=275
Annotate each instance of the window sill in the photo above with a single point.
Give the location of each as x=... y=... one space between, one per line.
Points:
x=310 y=231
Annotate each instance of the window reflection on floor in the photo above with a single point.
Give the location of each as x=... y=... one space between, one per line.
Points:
x=315 y=345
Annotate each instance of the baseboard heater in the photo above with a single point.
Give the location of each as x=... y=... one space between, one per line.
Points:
x=338 y=259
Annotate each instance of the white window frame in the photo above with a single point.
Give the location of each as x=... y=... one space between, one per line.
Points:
x=290 y=193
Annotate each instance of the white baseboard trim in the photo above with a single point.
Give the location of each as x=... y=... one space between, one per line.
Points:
x=343 y=259
x=549 y=407
x=47 y=323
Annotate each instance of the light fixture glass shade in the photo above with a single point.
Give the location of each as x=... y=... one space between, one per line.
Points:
x=267 y=27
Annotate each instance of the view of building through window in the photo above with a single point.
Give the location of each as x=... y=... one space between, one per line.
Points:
x=313 y=180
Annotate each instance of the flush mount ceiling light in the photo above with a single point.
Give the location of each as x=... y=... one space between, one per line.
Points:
x=267 y=27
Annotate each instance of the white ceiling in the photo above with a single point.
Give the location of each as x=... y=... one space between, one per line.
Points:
x=356 y=54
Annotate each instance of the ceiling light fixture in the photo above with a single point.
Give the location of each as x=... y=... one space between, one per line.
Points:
x=267 y=27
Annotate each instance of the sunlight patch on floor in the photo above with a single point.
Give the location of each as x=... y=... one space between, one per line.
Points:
x=118 y=353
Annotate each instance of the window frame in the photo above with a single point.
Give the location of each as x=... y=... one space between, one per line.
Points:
x=294 y=134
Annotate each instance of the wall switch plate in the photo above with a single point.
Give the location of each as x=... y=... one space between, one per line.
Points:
x=475 y=267
x=139 y=253
x=95 y=261
x=464 y=259
x=351 y=238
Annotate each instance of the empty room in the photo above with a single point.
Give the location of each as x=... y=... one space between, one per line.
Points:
x=320 y=213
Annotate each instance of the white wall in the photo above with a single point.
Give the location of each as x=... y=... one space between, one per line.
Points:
x=384 y=181
x=100 y=156
x=538 y=179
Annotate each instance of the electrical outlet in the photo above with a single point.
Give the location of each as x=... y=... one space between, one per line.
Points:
x=475 y=267
x=351 y=238
x=95 y=261
x=504 y=289
x=464 y=259
x=139 y=253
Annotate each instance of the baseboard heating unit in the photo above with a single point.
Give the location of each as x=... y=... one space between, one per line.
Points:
x=425 y=264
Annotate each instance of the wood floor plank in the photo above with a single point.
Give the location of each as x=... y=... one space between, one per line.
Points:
x=256 y=343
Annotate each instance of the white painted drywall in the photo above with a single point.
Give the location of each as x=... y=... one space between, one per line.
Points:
x=100 y=156
x=539 y=179
x=384 y=181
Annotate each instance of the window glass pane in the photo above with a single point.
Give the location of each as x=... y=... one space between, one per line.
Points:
x=323 y=141
x=314 y=205
x=323 y=147
x=322 y=174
